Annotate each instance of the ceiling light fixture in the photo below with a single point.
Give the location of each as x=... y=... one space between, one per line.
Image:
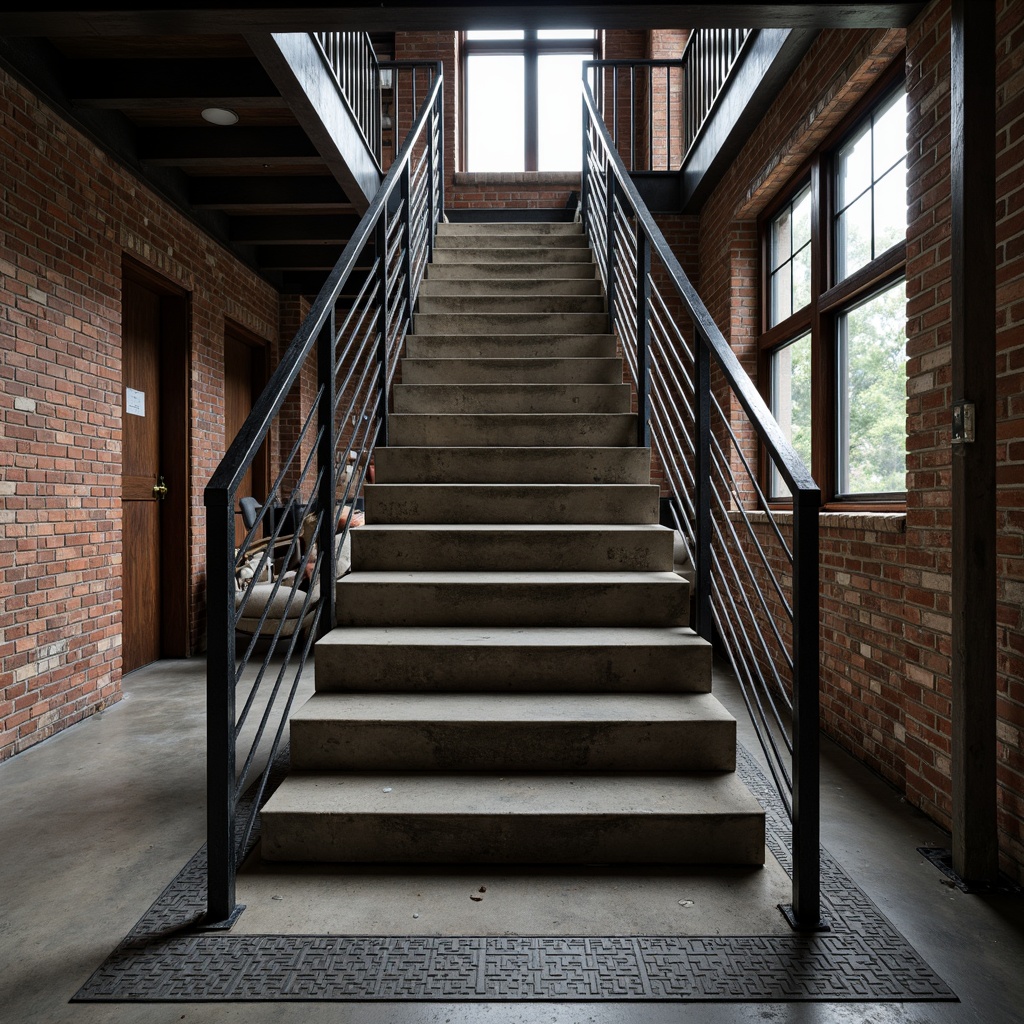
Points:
x=220 y=115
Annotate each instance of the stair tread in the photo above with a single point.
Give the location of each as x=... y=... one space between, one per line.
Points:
x=465 y=794
x=525 y=528
x=507 y=708
x=513 y=578
x=584 y=637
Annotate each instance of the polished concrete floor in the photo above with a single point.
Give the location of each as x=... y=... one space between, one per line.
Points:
x=95 y=821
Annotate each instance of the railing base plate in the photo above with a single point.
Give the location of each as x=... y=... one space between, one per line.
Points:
x=790 y=915
x=206 y=925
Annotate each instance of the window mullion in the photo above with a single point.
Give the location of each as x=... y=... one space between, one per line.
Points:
x=531 y=101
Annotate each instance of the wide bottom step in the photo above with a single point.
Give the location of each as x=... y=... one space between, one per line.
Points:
x=429 y=818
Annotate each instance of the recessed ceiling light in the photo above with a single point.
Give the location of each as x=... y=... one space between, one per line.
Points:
x=220 y=115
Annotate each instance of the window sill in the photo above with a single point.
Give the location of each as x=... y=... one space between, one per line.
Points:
x=868 y=522
x=517 y=178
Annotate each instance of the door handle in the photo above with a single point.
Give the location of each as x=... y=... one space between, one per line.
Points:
x=160 y=489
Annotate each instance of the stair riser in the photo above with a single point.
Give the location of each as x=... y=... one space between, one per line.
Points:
x=494 y=550
x=531 y=229
x=513 y=465
x=555 y=346
x=511 y=371
x=489 y=666
x=543 y=430
x=508 y=271
x=516 y=287
x=509 y=323
x=513 y=746
x=497 y=240
x=514 y=254
x=510 y=839
x=511 y=304
x=362 y=603
x=512 y=503
x=511 y=398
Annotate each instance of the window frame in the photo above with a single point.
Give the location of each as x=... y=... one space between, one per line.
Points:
x=530 y=47
x=829 y=298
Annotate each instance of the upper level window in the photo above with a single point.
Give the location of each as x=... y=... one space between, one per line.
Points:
x=833 y=347
x=521 y=98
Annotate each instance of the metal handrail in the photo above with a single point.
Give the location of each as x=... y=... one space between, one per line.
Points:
x=353 y=64
x=350 y=342
x=755 y=567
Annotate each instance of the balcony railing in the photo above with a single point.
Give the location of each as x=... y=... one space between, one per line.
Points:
x=708 y=59
x=353 y=65
x=755 y=568
x=271 y=597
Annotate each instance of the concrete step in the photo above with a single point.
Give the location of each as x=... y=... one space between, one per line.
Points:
x=482 y=547
x=512 y=371
x=518 y=253
x=509 y=323
x=513 y=599
x=463 y=817
x=512 y=346
x=595 y=465
x=540 y=285
x=504 y=240
x=507 y=227
x=519 y=304
x=515 y=398
x=512 y=503
x=548 y=659
x=513 y=429
x=522 y=732
x=508 y=271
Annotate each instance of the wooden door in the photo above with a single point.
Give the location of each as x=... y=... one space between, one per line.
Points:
x=141 y=476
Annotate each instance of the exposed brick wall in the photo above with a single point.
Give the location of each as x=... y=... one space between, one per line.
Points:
x=69 y=216
x=885 y=579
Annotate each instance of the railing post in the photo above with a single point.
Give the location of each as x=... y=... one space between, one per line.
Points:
x=610 y=242
x=326 y=457
x=221 y=909
x=439 y=170
x=805 y=914
x=643 y=338
x=381 y=240
x=702 y=499
x=405 y=191
x=431 y=185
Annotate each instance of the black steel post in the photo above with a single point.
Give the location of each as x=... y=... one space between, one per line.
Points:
x=431 y=182
x=609 y=243
x=405 y=194
x=326 y=456
x=806 y=910
x=643 y=338
x=221 y=909
x=382 y=326
x=702 y=502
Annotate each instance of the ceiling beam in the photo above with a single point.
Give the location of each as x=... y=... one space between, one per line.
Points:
x=373 y=15
x=277 y=230
x=256 y=194
x=230 y=146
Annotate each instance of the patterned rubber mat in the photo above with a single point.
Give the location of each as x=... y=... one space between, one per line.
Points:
x=862 y=958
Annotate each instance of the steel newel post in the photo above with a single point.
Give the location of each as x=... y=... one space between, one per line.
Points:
x=439 y=170
x=431 y=182
x=702 y=502
x=381 y=238
x=610 y=243
x=326 y=457
x=806 y=770
x=405 y=192
x=643 y=338
x=220 y=712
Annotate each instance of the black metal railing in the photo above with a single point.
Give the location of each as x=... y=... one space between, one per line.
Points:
x=271 y=596
x=654 y=109
x=755 y=567
x=353 y=65
x=708 y=58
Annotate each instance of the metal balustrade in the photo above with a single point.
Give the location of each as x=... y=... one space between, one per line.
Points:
x=708 y=58
x=346 y=353
x=755 y=564
x=352 y=63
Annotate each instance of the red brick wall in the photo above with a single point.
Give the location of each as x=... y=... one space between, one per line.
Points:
x=885 y=579
x=70 y=215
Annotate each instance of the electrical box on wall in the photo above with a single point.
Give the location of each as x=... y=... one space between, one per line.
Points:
x=963 y=422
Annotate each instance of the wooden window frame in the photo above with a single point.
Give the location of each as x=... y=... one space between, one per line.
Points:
x=829 y=299
x=531 y=48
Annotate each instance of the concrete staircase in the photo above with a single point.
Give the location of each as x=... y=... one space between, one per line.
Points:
x=512 y=679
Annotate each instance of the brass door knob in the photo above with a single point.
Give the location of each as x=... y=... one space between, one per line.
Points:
x=160 y=489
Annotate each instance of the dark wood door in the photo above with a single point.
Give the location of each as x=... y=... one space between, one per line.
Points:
x=141 y=476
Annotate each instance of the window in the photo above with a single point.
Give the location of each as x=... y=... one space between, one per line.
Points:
x=521 y=98
x=833 y=348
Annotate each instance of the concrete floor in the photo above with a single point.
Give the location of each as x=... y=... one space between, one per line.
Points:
x=98 y=819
